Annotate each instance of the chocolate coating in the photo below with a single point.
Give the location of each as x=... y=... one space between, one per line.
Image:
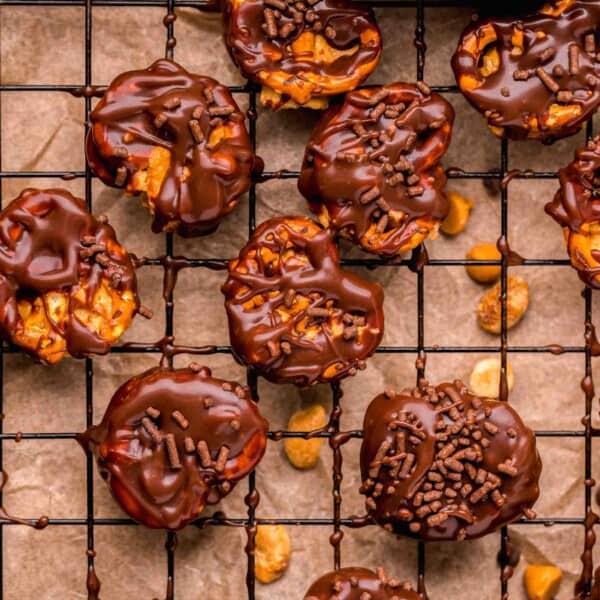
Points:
x=576 y=207
x=179 y=138
x=440 y=464
x=537 y=77
x=294 y=314
x=371 y=169
x=507 y=7
x=302 y=50
x=155 y=485
x=358 y=583
x=66 y=285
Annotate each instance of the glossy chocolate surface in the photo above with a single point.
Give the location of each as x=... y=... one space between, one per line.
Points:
x=192 y=117
x=358 y=583
x=261 y=36
x=576 y=207
x=172 y=441
x=440 y=464
x=49 y=242
x=372 y=167
x=294 y=313
x=555 y=69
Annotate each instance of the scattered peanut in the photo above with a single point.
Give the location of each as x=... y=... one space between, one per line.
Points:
x=484 y=273
x=485 y=378
x=489 y=310
x=458 y=215
x=272 y=552
x=542 y=581
x=304 y=454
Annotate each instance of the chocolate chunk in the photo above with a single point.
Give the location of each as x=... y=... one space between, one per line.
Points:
x=176 y=451
x=320 y=352
x=143 y=101
x=445 y=492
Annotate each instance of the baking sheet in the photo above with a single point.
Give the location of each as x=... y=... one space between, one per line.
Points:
x=44 y=131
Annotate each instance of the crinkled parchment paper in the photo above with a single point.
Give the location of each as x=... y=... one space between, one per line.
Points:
x=44 y=131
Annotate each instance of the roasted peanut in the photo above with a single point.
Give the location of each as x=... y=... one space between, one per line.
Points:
x=484 y=273
x=272 y=552
x=304 y=454
x=458 y=214
x=485 y=378
x=542 y=581
x=489 y=308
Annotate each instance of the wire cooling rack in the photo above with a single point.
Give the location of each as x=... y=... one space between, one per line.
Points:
x=86 y=91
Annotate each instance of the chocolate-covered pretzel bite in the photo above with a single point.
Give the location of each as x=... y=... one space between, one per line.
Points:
x=176 y=137
x=537 y=77
x=302 y=51
x=66 y=285
x=576 y=206
x=294 y=313
x=172 y=441
x=439 y=463
x=358 y=583
x=371 y=170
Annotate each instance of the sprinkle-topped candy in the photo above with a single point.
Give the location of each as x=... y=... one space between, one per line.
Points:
x=536 y=77
x=165 y=453
x=358 y=583
x=438 y=463
x=294 y=313
x=178 y=138
x=302 y=52
x=66 y=285
x=371 y=170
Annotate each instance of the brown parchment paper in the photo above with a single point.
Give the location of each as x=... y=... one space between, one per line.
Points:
x=44 y=131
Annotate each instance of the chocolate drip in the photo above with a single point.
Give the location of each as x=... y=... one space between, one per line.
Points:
x=40 y=523
x=181 y=137
x=371 y=168
x=544 y=85
x=513 y=259
x=294 y=314
x=92 y=584
x=358 y=583
x=439 y=464
x=144 y=452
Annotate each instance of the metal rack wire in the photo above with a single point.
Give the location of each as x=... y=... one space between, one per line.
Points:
x=337 y=522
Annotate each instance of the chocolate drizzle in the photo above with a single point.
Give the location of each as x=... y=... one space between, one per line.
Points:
x=371 y=169
x=305 y=49
x=576 y=207
x=40 y=523
x=65 y=263
x=161 y=479
x=180 y=139
x=358 y=583
x=536 y=77
x=438 y=463
x=294 y=314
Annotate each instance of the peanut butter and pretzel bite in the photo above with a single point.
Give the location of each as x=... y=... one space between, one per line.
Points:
x=371 y=170
x=173 y=441
x=302 y=52
x=576 y=207
x=439 y=463
x=177 y=138
x=294 y=314
x=358 y=583
x=66 y=285
x=537 y=77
